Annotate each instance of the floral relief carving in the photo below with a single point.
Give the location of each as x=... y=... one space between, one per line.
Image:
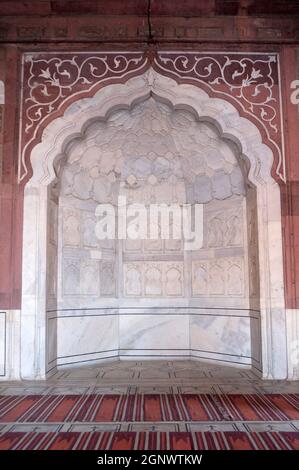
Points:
x=52 y=81
x=225 y=229
x=250 y=80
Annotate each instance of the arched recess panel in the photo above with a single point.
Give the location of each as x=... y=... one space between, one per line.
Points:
x=241 y=251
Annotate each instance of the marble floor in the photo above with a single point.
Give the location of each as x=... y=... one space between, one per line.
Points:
x=151 y=377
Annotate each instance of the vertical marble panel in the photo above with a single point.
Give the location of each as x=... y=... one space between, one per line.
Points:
x=71 y=227
x=215 y=233
x=71 y=277
x=52 y=339
x=2 y=343
x=52 y=270
x=89 y=277
x=200 y=278
x=173 y=282
x=221 y=335
x=10 y=345
x=153 y=281
x=235 y=280
x=88 y=231
x=53 y=219
x=217 y=278
x=132 y=280
x=87 y=337
x=107 y=279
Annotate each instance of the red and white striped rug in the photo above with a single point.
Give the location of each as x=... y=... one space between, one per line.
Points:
x=150 y=441
x=139 y=407
x=144 y=408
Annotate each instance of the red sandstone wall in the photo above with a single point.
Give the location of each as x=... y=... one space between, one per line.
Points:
x=10 y=192
x=290 y=191
x=220 y=31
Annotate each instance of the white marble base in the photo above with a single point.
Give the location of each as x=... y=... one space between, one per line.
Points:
x=154 y=335
x=219 y=335
x=292 y=322
x=225 y=338
x=86 y=338
x=2 y=343
x=9 y=344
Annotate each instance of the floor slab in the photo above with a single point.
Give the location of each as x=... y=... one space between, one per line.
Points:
x=151 y=377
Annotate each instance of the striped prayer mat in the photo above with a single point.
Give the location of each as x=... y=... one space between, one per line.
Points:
x=150 y=441
x=154 y=408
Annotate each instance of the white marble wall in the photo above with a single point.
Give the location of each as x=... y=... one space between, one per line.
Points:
x=150 y=154
x=182 y=172
x=292 y=317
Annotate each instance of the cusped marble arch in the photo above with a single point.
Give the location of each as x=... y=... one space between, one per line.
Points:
x=80 y=115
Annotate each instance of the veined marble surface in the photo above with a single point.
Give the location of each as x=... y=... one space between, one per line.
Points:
x=96 y=334
x=154 y=335
x=86 y=338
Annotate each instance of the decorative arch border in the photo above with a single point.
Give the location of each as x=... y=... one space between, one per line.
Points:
x=232 y=126
x=51 y=82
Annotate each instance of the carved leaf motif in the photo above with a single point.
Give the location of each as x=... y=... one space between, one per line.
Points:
x=255 y=91
x=237 y=74
x=256 y=73
x=45 y=73
x=65 y=73
x=216 y=71
x=44 y=91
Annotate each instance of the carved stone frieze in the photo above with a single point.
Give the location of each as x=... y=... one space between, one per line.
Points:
x=251 y=82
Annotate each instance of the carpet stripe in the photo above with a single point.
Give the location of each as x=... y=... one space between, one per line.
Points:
x=151 y=407
x=16 y=412
x=62 y=409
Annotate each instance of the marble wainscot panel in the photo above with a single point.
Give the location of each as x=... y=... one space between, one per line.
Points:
x=86 y=336
x=51 y=341
x=222 y=336
x=256 y=339
x=2 y=342
x=155 y=335
x=10 y=345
